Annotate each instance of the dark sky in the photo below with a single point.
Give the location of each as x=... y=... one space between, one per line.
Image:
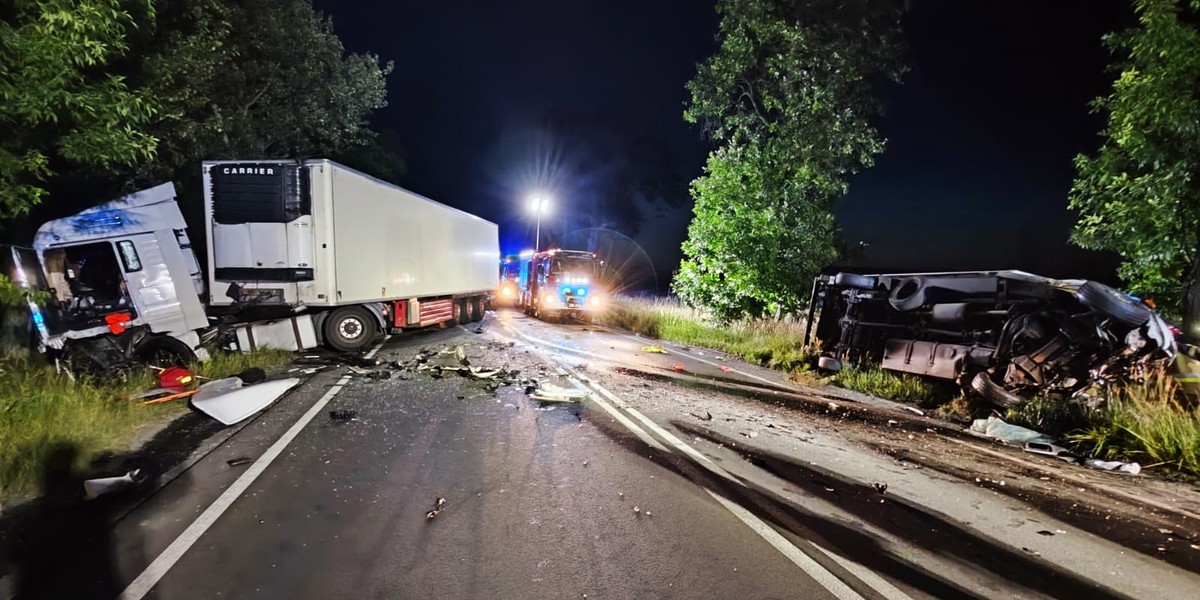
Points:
x=494 y=100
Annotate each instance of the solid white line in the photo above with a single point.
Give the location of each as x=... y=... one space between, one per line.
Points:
x=814 y=569
x=867 y=576
x=153 y=573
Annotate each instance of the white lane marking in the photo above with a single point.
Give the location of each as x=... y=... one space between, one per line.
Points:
x=153 y=573
x=867 y=576
x=814 y=569
x=828 y=580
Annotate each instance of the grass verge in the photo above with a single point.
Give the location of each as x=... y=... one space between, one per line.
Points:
x=775 y=344
x=42 y=410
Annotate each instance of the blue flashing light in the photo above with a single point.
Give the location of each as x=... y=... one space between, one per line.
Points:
x=38 y=319
x=566 y=290
x=581 y=291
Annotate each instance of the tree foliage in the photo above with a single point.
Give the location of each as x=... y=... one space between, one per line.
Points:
x=790 y=97
x=62 y=106
x=256 y=79
x=1139 y=195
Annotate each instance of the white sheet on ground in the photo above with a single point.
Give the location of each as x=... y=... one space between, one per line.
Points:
x=228 y=402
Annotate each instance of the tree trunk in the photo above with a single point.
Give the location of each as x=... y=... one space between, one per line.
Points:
x=1191 y=304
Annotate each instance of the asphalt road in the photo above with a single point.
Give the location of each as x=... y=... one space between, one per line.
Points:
x=637 y=492
x=542 y=501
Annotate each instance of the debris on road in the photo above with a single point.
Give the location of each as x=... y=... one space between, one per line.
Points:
x=678 y=367
x=94 y=488
x=237 y=462
x=750 y=434
x=655 y=349
x=552 y=393
x=881 y=487
x=707 y=416
x=725 y=369
x=996 y=428
x=438 y=505
x=229 y=402
x=342 y=415
x=1113 y=465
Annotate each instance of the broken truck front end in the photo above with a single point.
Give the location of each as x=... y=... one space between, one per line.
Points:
x=123 y=284
x=1004 y=335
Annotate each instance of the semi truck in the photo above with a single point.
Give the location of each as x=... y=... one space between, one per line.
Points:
x=300 y=254
x=560 y=282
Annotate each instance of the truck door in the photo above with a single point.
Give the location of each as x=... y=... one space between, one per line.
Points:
x=26 y=271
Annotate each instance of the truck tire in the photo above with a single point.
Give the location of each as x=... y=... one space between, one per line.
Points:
x=993 y=392
x=164 y=351
x=1113 y=304
x=349 y=329
x=476 y=304
x=854 y=280
x=908 y=295
x=461 y=316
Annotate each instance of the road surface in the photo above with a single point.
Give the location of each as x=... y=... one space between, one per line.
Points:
x=684 y=475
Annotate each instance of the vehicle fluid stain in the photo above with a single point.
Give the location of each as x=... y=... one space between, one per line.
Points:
x=910 y=522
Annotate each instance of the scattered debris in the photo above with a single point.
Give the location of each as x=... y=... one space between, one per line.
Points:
x=253 y=375
x=637 y=510
x=914 y=410
x=237 y=462
x=553 y=393
x=355 y=360
x=750 y=434
x=707 y=416
x=227 y=401
x=438 y=505
x=881 y=488
x=996 y=428
x=893 y=422
x=1046 y=533
x=655 y=349
x=725 y=369
x=378 y=375
x=1114 y=465
x=94 y=488
x=678 y=367
x=1050 y=449
x=342 y=415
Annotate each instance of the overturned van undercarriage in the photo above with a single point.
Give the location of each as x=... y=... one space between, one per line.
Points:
x=1005 y=335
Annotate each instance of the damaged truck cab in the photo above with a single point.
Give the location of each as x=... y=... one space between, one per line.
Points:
x=124 y=284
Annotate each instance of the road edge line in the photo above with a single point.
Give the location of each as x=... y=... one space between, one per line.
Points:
x=158 y=568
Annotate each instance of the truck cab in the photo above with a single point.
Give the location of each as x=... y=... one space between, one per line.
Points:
x=510 y=270
x=561 y=283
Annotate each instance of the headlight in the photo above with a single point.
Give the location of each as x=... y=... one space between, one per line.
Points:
x=507 y=291
x=595 y=300
x=549 y=299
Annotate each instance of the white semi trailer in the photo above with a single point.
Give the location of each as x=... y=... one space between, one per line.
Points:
x=299 y=254
x=360 y=255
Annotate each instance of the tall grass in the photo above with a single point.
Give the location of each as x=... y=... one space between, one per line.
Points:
x=776 y=344
x=893 y=386
x=42 y=409
x=1148 y=422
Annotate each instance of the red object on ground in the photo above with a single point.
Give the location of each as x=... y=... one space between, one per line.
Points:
x=175 y=379
x=116 y=322
x=726 y=369
x=678 y=367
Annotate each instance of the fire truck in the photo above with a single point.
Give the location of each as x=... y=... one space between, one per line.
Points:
x=558 y=283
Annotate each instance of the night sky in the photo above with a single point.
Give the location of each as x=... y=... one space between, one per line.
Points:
x=494 y=101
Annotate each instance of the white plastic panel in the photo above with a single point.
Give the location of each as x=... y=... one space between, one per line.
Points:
x=300 y=243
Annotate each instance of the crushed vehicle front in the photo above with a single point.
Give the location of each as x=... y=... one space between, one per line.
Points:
x=1004 y=335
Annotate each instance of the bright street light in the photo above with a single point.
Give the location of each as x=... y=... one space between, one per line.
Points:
x=539 y=204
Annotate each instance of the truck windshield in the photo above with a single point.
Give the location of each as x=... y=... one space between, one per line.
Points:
x=578 y=267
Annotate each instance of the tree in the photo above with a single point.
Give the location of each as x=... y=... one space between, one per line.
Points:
x=255 y=79
x=1139 y=196
x=60 y=107
x=790 y=97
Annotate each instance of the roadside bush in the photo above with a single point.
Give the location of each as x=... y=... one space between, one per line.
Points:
x=1147 y=422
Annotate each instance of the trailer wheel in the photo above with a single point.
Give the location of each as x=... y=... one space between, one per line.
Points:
x=476 y=309
x=349 y=329
x=461 y=316
x=164 y=351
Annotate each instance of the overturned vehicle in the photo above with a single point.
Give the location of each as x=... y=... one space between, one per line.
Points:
x=1005 y=335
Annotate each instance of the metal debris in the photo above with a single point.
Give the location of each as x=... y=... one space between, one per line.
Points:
x=342 y=415
x=237 y=462
x=94 y=488
x=552 y=393
x=707 y=416
x=881 y=487
x=438 y=505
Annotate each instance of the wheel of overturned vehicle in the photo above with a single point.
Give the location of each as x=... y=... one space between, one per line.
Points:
x=164 y=351
x=908 y=295
x=994 y=392
x=1113 y=304
x=476 y=305
x=854 y=280
x=349 y=329
x=829 y=363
